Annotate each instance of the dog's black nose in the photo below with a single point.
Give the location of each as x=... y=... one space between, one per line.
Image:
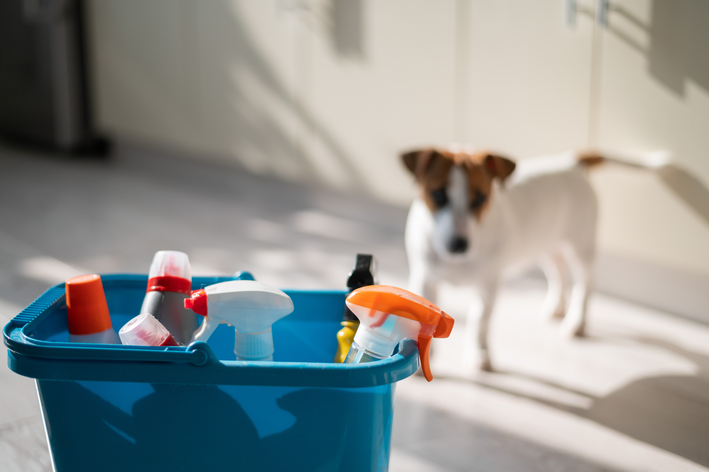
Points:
x=458 y=245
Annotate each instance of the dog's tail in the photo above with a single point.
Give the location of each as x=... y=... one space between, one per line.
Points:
x=683 y=183
x=650 y=161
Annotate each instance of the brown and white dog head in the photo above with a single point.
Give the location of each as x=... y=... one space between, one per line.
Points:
x=456 y=187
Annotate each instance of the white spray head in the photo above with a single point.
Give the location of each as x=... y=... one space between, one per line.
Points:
x=251 y=307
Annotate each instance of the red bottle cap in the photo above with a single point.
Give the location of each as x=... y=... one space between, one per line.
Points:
x=170 y=271
x=197 y=302
x=87 y=310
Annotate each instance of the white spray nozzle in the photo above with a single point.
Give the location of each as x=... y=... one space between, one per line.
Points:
x=251 y=307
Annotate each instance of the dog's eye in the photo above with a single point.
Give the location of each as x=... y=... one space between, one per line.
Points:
x=439 y=196
x=478 y=201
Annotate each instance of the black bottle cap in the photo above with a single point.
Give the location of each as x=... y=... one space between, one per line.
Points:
x=361 y=276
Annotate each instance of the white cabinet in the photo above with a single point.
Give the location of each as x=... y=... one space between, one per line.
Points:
x=654 y=94
x=381 y=84
x=293 y=88
x=250 y=72
x=524 y=79
x=143 y=72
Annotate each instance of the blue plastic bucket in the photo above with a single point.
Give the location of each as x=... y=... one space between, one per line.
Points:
x=120 y=408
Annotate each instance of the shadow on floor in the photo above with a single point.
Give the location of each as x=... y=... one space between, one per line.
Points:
x=451 y=443
x=670 y=412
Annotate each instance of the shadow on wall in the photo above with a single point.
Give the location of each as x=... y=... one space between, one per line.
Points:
x=679 y=39
x=273 y=140
x=347 y=28
x=688 y=188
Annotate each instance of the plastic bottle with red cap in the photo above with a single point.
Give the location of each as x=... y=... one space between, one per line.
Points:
x=87 y=311
x=251 y=307
x=387 y=316
x=145 y=330
x=170 y=280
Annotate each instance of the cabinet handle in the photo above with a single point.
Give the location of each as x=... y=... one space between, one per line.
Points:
x=602 y=8
x=570 y=8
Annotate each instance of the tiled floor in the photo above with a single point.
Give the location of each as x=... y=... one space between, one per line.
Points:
x=632 y=396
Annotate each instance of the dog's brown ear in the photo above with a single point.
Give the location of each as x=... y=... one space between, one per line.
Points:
x=417 y=161
x=499 y=166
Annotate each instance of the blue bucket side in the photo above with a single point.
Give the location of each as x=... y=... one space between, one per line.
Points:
x=116 y=426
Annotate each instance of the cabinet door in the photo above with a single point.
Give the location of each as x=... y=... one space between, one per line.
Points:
x=524 y=78
x=143 y=72
x=252 y=65
x=654 y=94
x=383 y=81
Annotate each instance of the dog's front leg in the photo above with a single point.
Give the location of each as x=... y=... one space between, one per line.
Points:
x=477 y=352
x=581 y=266
x=422 y=284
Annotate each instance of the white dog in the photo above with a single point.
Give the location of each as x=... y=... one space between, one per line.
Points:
x=479 y=213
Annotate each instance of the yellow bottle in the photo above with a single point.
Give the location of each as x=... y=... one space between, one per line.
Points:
x=361 y=275
x=345 y=336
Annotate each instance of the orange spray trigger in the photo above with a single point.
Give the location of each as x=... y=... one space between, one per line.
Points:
x=389 y=314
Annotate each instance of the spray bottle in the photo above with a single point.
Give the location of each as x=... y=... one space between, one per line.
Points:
x=390 y=314
x=169 y=281
x=361 y=276
x=250 y=306
x=87 y=311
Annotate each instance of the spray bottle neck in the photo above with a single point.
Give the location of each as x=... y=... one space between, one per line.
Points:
x=375 y=345
x=254 y=347
x=358 y=355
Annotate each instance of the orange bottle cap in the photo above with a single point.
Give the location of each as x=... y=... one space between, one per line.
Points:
x=399 y=302
x=87 y=309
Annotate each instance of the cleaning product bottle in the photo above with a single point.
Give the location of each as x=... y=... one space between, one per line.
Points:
x=361 y=276
x=87 y=311
x=145 y=330
x=390 y=314
x=170 y=279
x=251 y=307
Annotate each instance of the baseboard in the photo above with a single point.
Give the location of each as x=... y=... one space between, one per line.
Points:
x=670 y=289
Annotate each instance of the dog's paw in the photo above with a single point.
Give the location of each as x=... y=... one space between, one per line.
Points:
x=573 y=329
x=553 y=308
x=479 y=361
x=485 y=365
x=552 y=313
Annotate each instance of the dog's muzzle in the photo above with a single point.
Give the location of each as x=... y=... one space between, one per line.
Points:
x=457 y=245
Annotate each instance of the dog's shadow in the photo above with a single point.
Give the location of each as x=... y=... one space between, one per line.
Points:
x=670 y=412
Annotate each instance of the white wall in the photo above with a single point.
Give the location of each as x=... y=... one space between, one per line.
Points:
x=272 y=85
